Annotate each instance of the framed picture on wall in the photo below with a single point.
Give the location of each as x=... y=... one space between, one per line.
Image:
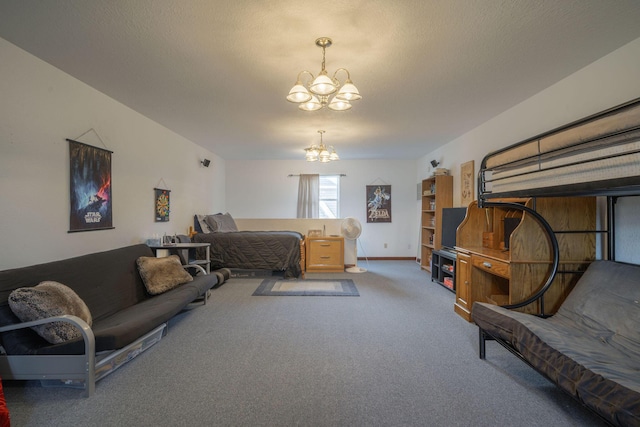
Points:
x=162 y=204
x=89 y=188
x=378 y=203
x=466 y=183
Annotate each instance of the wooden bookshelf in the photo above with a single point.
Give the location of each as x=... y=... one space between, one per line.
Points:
x=437 y=193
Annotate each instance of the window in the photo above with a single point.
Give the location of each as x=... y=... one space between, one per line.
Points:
x=329 y=196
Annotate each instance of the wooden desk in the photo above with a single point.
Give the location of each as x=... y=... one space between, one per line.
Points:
x=488 y=272
x=484 y=275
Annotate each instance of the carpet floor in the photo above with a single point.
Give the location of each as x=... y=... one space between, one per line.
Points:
x=397 y=355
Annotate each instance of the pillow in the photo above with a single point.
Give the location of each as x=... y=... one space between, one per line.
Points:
x=201 y=225
x=223 y=222
x=211 y=222
x=48 y=299
x=162 y=274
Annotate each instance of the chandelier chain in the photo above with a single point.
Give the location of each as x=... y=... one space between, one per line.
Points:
x=323 y=60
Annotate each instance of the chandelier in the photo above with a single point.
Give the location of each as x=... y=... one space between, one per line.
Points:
x=318 y=92
x=321 y=152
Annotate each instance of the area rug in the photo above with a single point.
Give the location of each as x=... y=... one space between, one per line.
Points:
x=307 y=288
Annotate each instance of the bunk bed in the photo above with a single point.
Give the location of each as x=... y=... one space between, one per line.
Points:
x=590 y=347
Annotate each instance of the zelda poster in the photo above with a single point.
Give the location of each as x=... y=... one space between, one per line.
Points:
x=90 y=188
x=378 y=203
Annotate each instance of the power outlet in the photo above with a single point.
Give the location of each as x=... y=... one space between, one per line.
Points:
x=385 y=246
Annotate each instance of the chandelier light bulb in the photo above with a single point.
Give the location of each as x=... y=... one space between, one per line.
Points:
x=323 y=85
x=348 y=92
x=299 y=93
x=339 y=105
x=311 y=105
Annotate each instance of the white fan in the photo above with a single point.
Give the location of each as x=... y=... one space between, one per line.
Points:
x=351 y=230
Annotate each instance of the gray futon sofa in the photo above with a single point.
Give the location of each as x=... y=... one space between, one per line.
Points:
x=126 y=318
x=590 y=348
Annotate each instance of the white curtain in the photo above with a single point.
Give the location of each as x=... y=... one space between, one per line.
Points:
x=309 y=196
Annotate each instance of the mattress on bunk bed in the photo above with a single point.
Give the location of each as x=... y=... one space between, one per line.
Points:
x=591 y=347
x=596 y=153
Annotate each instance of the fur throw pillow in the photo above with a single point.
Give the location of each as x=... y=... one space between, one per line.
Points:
x=49 y=299
x=162 y=274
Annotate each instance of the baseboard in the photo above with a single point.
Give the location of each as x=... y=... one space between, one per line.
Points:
x=386 y=258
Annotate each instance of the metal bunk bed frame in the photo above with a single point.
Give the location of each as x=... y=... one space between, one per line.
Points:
x=593 y=141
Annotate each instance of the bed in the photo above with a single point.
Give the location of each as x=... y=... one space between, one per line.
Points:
x=279 y=251
x=590 y=348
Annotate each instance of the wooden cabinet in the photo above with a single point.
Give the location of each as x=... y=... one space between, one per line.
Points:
x=437 y=193
x=325 y=254
x=505 y=255
x=463 y=279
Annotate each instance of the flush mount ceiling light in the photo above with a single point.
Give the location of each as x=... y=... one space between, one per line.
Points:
x=321 y=152
x=317 y=93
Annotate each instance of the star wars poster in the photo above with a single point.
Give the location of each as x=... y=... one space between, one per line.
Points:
x=378 y=203
x=90 y=189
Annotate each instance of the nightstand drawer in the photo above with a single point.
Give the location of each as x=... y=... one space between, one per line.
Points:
x=325 y=254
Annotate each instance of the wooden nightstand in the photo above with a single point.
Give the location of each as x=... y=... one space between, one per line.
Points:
x=325 y=254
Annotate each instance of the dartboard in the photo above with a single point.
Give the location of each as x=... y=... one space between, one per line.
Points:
x=162 y=205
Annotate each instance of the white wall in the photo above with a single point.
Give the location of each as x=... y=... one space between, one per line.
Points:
x=610 y=81
x=605 y=83
x=262 y=189
x=40 y=107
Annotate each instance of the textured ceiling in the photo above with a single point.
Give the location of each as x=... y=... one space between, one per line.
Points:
x=217 y=72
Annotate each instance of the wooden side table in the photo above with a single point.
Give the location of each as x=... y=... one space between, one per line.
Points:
x=174 y=247
x=325 y=254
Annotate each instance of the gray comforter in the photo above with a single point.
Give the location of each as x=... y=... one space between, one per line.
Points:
x=261 y=250
x=591 y=347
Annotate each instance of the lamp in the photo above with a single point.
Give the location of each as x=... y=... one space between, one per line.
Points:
x=206 y=163
x=320 y=88
x=434 y=163
x=321 y=152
